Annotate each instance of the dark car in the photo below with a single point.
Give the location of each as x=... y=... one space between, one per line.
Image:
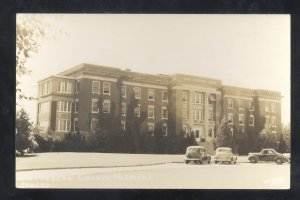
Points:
x=197 y=155
x=268 y=155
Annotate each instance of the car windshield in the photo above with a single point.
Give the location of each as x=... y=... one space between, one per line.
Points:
x=224 y=150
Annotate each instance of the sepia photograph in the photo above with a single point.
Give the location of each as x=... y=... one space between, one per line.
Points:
x=153 y=101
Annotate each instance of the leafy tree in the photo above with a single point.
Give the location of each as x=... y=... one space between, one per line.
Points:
x=286 y=138
x=44 y=139
x=224 y=134
x=23 y=134
x=31 y=29
x=134 y=122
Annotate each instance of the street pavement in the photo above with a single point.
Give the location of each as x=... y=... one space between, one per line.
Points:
x=162 y=176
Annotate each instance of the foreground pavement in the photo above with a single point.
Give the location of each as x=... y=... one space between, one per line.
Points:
x=93 y=160
x=162 y=176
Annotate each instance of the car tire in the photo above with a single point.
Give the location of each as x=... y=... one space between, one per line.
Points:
x=253 y=160
x=216 y=162
x=187 y=162
x=278 y=161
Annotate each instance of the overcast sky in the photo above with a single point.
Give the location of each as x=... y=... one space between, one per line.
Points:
x=251 y=51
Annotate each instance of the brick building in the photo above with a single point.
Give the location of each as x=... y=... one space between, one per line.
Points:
x=68 y=101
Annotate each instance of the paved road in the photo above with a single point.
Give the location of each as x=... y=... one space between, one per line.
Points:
x=172 y=175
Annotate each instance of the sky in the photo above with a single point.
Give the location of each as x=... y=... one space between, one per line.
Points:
x=251 y=51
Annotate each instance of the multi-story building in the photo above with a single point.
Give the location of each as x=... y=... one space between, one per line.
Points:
x=68 y=102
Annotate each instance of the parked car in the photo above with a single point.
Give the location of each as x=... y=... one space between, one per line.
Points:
x=224 y=154
x=197 y=155
x=268 y=155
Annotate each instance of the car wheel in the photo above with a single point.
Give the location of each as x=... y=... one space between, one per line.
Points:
x=216 y=162
x=278 y=161
x=253 y=160
x=187 y=162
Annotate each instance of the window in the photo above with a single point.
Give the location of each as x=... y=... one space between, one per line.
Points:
x=64 y=106
x=95 y=108
x=251 y=120
x=123 y=125
x=164 y=112
x=63 y=125
x=241 y=105
x=273 y=121
x=210 y=131
x=267 y=121
x=123 y=91
x=230 y=104
x=230 y=118
x=137 y=92
x=151 y=94
x=44 y=107
x=185 y=128
x=185 y=114
x=137 y=110
x=197 y=133
x=106 y=88
x=77 y=86
x=241 y=119
x=76 y=124
x=123 y=110
x=164 y=129
x=45 y=88
x=64 y=87
x=151 y=128
x=94 y=123
x=185 y=96
x=251 y=106
x=267 y=106
x=199 y=98
x=211 y=115
x=165 y=96
x=96 y=87
x=150 y=111
x=273 y=108
x=76 y=105
x=106 y=106
x=198 y=115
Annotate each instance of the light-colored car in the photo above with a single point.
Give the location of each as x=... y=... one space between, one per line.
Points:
x=224 y=154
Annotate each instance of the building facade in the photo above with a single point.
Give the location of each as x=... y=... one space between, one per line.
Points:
x=178 y=104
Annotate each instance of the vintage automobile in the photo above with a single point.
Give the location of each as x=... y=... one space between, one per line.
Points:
x=197 y=155
x=224 y=154
x=268 y=155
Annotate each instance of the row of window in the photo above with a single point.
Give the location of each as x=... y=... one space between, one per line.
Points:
x=96 y=87
x=151 y=94
x=251 y=120
x=64 y=87
x=137 y=110
x=268 y=105
x=45 y=88
x=198 y=97
x=150 y=126
x=198 y=114
x=241 y=104
x=241 y=119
